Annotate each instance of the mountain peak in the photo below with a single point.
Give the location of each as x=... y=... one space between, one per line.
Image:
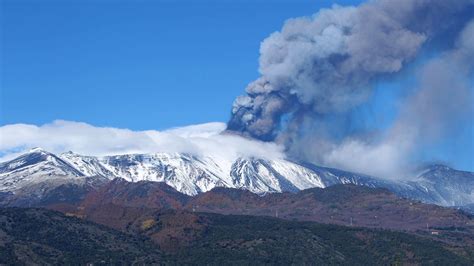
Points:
x=69 y=153
x=429 y=168
x=37 y=150
x=439 y=167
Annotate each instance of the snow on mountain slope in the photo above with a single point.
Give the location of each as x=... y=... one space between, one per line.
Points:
x=87 y=165
x=34 y=167
x=192 y=174
x=442 y=185
x=258 y=175
x=184 y=172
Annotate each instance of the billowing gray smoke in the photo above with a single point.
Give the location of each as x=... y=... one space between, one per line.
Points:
x=327 y=65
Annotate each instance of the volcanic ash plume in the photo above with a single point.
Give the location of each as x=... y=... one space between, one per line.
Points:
x=327 y=65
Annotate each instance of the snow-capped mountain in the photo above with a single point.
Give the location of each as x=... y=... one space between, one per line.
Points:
x=441 y=185
x=191 y=174
x=34 y=167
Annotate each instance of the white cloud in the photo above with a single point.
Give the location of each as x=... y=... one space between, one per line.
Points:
x=61 y=136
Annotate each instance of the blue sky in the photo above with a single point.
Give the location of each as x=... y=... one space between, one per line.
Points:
x=136 y=64
x=151 y=64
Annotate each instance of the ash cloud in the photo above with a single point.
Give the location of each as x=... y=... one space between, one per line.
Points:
x=319 y=68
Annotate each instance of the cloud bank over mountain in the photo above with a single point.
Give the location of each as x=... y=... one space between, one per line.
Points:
x=62 y=136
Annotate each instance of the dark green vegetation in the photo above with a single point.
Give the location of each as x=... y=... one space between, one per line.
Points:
x=48 y=237
x=263 y=240
x=180 y=237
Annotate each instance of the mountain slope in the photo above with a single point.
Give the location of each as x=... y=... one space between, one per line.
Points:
x=264 y=240
x=187 y=173
x=43 y=237
x=40 y=171
x=338 y=204
x=34 y=167
x=37 y=236
x=442 y=185
x=144 y=207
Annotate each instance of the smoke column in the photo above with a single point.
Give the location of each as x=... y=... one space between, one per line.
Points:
x=317 y=70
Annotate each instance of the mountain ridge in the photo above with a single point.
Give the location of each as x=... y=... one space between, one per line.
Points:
x=192 y=175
